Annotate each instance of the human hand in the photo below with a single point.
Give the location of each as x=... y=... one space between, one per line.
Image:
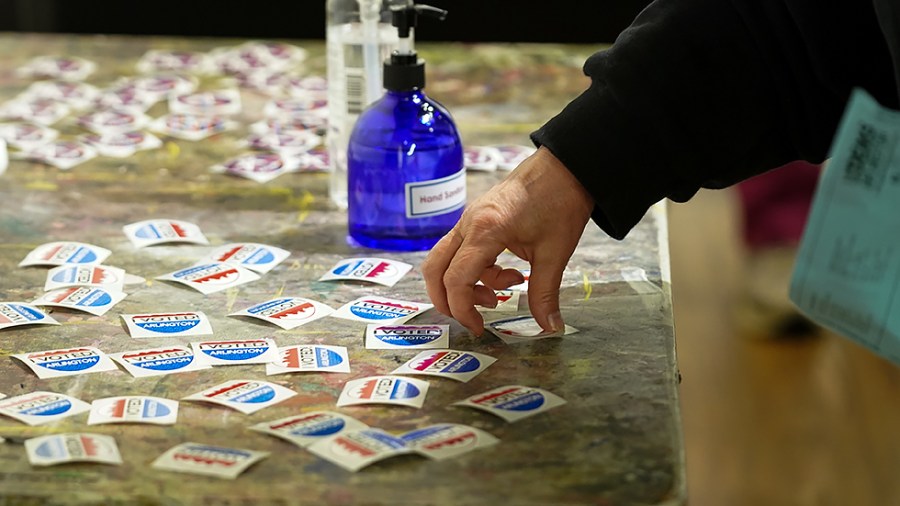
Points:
x=539 y=213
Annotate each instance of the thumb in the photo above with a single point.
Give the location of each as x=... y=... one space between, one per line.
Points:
x=543 y=293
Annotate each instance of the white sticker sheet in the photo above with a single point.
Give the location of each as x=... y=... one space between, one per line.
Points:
x=38 y=408
x=395 y=390
x=447 y=440
x=184 y=323
x=381 y=271
x=287 y=312
x=513 y=402
x=162 y=231
x=15 y=314
x=133 y=409
x=66 y=362
x=309 y=428
x=356 y=449
x=109 y=278
x=520 y=329
x=211 y=277
x=73 y=447
x=96 y=301
x=208 y=460
x=246 y=396
x=383 y=310
x=237 y=351
x=65 y=252
x=160 y=361
x=260 y=258
x=406 y=337
x=310 y=358
x=453 y=364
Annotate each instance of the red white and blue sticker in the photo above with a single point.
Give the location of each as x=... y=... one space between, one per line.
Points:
x=125 y=97
x=307 y=120
x=375 y=309
x=160 y=361
x=287 y=143
x=133 y=409
x=287 y=312
x=191 y=127
x=453 y=364
x=67 y=362
x=406 y=337
x=42 y=111
x=152 y=232
x=184 y=323
x=37 y=408
x=66 y=68
x=395 y=390
x=113 y=121
x=481 y=158
x=121 y=144
x=513 y=402
x=507 y=301
x=246 y=396
x=157 y=60
x=308 y=428
x=14 y=314
x=62 y=154
x=310 y=358
x=26 y=135
x=161 y=86
x=211 y=277
x=208 y=460
x=291 y=106
x=73 y=447
x=519 y=329
x=259 y=167
x=374 y=270
x=511 y=155
x=212 y=103
x=74 y=94
x=95 y=301
x=260 y=258
x=65 y=252
x=100 y=276
x=356 y=449
x=237 y=352
x=446 y=440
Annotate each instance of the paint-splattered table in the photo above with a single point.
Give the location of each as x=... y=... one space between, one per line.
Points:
x=616 y=441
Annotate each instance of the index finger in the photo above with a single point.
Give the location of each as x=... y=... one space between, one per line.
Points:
x=470 y=261
x=435 y=265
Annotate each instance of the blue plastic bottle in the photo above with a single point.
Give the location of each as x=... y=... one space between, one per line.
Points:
x=406 y=180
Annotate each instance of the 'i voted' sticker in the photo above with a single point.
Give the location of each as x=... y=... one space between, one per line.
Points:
x=520 y=329
x=100 y=276
x=374 y=309
x=211 y=277
x=356 y=449
x=65 y=252
x=38 y=408
x=26 y=135
x=384 y=390
x=66 y=362
x=259 y=167
x=513 y=402
x=133 y=409
x=237 y=352
x=246 y=396
x=209 y=103
x=65 y=68
x=191 y=127
x=62 y=154
x=121 y=144
x=185 y=323
x=406 y=337
x=507 y=301
x=287 y=312
x=310 y=358
x=446 y=440
x=160 y=361
x=457 y=365
x=15 y=314
x=308 y=428
x=96 y=301
x=207 y=460
x=151 y=232
x=75 y=447
x=481 y=158
x=374 y=270
x=260 y=258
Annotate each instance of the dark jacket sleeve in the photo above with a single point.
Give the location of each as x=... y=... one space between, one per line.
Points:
x=704 y=93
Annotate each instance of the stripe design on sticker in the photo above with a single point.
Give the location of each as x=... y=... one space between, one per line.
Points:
x=373 y=309
x=408 y=335
x=167 y=323
x=78 y=359
x=316 y=425
x=235 y=351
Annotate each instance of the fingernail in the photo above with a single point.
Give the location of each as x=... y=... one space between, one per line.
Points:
x=556 y=322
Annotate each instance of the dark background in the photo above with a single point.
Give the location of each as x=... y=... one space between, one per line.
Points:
x=468 y=21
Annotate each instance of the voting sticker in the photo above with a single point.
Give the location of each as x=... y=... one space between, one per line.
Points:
x=237 y=352
x=76 y=95
x=507 y=301
x=184 y=323
x=394 y=390
x=513 y=402
x=310 y=358
x=217 y=102
x=259 y=167
x=74 y=447
x=162 y=86
x=374 y=309
x=208 y=460
x=34 y=110
x=96 y=301
x=446 y=440
x=290 y=143
x=511 y=155
x=481 y=158
x=308 y=428
x=22 y=135
x=456 y=365
x=374 y=270
x=15 y=314
x=68 y=68
x=191 y=127
x=211 y=277
x=356 y=449
x=61 y=154
x=133 y=409
x=160 y=361
x=100 y=276
x=287 y=312
x=246 y=396
x=158 y=60
x=124 y=98
x=406 y=337
x=121 y=144
x=65 y=252
x=152 y=232
x=308 y=120
x=315 y=160
x=112 y=121
x=260 y=258
x=66 y=362
x=291 y=106
x=37 y=408
x=522 y=329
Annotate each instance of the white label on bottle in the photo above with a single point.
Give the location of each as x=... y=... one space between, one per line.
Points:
x=437 y=196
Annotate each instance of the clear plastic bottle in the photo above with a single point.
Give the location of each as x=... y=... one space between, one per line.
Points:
x=359 y=37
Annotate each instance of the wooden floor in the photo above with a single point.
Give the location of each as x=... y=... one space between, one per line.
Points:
x=771 y=422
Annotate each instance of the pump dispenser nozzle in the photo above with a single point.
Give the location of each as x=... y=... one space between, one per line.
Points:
x=404 y=70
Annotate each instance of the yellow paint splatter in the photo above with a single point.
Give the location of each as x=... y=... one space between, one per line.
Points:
x=588 y=288
x=279 y=292
x=231 y=297
x=305 y=203
x=42 y=186
x=5 y=353
x=173 y=150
